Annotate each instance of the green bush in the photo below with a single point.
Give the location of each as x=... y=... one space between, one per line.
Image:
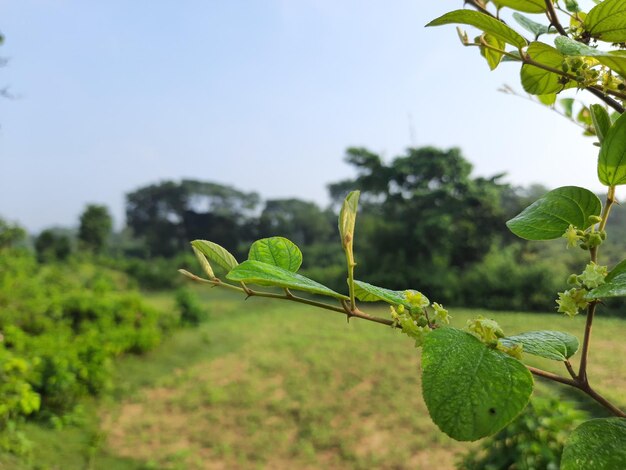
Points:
x=62 y=324
x=534 y=441
x=191 y=310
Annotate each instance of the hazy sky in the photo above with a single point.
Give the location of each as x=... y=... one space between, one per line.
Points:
x=264 y=95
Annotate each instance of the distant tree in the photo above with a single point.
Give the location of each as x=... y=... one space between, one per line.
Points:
x=95 y=227
x=10 y=234
x=301 y=221
x=425 y=209
x=52 y=246
x=169 y=214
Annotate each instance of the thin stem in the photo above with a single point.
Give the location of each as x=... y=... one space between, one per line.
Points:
x=580 y=385
x=293 y=298
x=610 y=200
x=481 y=8
x=549 y=375
x=553 y=18
x=607 y=99
x=570 y=369
x=603 y=401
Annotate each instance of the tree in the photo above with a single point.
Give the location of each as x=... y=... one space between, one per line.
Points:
x=426 y=209
x=301 y=221
x=10 y=234
x=51 y=245
x=95 y=227
x=168 y=214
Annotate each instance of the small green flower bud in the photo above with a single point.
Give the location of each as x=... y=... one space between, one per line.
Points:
x=594 y=219
x=603 y=234
x=594 y=239
x=584 y=246
x=573 y=280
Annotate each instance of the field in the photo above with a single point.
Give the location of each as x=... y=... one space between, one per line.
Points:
x=263 y=384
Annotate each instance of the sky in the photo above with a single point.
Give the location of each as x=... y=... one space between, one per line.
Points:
x=263 y=95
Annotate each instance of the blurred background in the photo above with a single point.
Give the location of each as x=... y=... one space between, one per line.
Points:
x=129 y=129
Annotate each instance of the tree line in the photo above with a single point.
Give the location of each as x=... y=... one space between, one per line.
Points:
x=423 y=207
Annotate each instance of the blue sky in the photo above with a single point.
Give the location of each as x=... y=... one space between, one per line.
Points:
x=264 y=95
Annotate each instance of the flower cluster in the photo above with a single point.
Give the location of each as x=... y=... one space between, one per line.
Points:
x=575 y=299
x=417 y=317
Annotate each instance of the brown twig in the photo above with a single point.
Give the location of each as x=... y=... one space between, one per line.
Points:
x=553 y=18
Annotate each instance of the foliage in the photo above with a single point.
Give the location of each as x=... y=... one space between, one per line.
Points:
x=60 y=326
x=534 y=440
x=10 y=234
x=474 y=381
x=191 y=310
x=167 y=214
x=51 y=245
x=95 y=227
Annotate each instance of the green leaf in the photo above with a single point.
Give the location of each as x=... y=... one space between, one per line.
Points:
x=277 y=251
x=257 y=272
x=347 y=218
x=619 y=268
x=527 y=6
x=612 y=158
x=215 y=253
x=483 y=22
x=204 y=263
x=568 y=106
x=538 y=81
x=598 y=444
x=493 y=57
x=601 y=120
x=616 y=60
x=549 y=217
x=536 y=28
x=471 y=390
x=607 y=21
x=554 y=345
x=548 y=99
x=369 y=293
x=616 y=287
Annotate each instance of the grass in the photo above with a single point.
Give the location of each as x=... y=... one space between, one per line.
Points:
x=265 y=384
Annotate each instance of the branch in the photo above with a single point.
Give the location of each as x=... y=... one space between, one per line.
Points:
x=481 y=9
x=351 y=312
x=607 y=99
x=553 y=18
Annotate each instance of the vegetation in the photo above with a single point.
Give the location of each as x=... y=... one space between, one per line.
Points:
x=204 y=392
x=474 y=382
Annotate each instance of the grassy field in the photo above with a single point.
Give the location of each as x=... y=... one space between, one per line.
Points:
x=274 y=385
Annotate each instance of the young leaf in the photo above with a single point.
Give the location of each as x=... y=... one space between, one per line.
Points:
x=347 y=218
x=483 y=22
x=215 y=253
x=257 y=272
x=527 y=6
x=612 y=158
x=619 y=268
x=568 y=106
x=607 y=21
x=492 y=56
x=536 y=28
x=601 y=120
x=549 y=217
x=548 y=99
x=471 y=390
x=538 y=81
x=277 y=251
x=616 y=60
x=616 y=287
x=369 y=293
x=598 y=444
x=554 y=345
x=206 y=266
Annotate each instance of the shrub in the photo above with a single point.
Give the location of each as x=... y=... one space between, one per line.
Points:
x=534 y=440
x=191 y=311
